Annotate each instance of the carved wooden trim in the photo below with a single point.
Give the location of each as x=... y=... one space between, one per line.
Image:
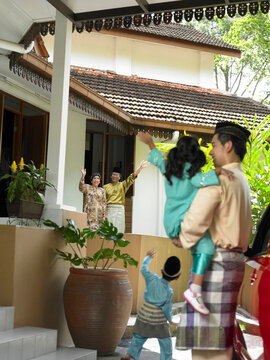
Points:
x=74 y=99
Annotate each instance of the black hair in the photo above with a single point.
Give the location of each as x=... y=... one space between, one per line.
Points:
x=116 y=169
x=187 y=150
x=239 y=145
x=93 y=175
x=171 y=269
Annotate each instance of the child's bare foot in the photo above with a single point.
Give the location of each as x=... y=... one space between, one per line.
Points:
x=127 y=357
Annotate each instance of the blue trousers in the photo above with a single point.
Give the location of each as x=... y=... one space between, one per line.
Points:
x=137 y=342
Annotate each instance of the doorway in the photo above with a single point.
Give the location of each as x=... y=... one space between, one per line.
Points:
x=105 y=149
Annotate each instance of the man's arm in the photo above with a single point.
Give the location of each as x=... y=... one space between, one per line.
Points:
x=143 y=165
x=199 y=216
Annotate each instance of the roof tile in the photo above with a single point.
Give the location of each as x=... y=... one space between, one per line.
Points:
x=164 y=101
x=181 y=32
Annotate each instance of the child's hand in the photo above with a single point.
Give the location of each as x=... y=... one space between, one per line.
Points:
x=151 y=253
x=225 y=172
x=173 y=323
x=177 y=242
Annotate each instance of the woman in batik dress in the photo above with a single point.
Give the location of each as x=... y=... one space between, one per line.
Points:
x=94 y=199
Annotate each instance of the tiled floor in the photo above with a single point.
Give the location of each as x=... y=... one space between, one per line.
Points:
x=150 y=351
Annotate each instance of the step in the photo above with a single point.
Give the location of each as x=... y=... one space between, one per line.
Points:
x=6 y=317
x=70 y=354
x=27 y=343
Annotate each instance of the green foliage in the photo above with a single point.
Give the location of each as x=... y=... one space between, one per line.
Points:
x=27 y=182
x=251 y=34
x=77 y=240
x=256 y=166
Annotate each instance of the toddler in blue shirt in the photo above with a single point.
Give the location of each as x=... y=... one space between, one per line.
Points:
x=157 y=309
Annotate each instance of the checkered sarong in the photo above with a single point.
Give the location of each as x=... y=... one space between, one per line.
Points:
x=220 y=289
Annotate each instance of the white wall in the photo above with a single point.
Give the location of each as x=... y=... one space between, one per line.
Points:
x=142 y=58
x=149 y=197
x=74 y=159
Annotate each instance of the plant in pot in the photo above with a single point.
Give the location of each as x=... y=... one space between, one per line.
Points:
x=97 y=299
x=25 y=195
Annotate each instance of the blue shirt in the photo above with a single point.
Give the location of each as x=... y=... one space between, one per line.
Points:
x=158 y=291
x=181 y=193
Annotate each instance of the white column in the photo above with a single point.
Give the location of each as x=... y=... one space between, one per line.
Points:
x=58 y=113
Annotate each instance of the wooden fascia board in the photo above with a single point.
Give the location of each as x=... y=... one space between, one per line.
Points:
x=46 y=69
x=135 y=35
x=173 y=125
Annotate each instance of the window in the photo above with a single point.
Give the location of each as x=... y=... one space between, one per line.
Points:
x=23 y=133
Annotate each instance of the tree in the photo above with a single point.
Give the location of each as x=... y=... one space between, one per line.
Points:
x=251 y=34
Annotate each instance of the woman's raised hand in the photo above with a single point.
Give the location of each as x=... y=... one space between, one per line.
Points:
x=83 y=171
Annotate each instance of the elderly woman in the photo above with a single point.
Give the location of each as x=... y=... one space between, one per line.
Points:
x=94 y=199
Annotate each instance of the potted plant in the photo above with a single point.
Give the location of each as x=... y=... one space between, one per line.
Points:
x=25 y=195
x=97 y=299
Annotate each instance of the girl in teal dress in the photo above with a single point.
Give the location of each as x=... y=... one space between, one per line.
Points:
x=183 y=178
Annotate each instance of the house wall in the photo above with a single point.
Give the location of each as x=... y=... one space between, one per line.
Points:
x=24 y=90
x=149 y=197
x=142 y=58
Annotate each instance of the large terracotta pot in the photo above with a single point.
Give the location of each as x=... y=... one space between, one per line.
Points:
x=97 y=306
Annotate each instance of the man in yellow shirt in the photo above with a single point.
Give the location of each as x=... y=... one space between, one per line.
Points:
x=115 y=194
x=226 y=211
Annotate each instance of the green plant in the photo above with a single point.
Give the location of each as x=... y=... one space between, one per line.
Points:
x=27 y=182
x=77 y=240
x=256 y=166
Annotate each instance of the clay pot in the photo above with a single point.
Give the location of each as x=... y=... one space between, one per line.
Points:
x=97 y=306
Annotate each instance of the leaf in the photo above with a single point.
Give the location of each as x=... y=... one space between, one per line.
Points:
x=122 y=243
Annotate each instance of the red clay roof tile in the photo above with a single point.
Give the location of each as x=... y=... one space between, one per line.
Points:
x=164 y=101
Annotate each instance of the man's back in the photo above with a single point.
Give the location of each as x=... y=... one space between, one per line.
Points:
x=225 y=210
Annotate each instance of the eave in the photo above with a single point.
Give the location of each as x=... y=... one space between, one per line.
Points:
x=173 y=42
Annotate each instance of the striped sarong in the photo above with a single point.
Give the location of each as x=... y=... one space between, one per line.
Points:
x=116 y=215
x=220 y=290
x=151 y=322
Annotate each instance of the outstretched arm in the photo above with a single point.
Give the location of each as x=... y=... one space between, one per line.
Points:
x=82 y=185
x=155 y=157
x=83 y=172
x=143 y=165
x=146 y=139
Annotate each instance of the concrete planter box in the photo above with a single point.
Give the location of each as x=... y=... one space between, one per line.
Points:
x=25 y=209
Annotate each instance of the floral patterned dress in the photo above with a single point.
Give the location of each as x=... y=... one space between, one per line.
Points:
x=94 y=204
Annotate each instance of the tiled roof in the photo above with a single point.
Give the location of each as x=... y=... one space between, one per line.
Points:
x=181 y=32
x=163 y=101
